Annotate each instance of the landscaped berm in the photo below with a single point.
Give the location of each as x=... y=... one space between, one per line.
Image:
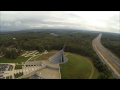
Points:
x=77 y=66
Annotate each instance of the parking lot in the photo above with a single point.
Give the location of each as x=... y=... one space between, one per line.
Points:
x=4 y=68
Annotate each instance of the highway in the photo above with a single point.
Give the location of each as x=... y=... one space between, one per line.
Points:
x=107 y=57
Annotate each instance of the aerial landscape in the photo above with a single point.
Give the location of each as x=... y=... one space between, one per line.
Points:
x=59 y=45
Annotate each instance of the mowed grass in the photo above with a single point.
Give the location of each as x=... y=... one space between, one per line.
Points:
x=46 y=56
x=18 y=66
x=78 y=67
x=19 y=59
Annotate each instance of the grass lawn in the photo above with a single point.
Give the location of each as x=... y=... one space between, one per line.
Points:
x=46 y=56
x=96 y=74
x=26 y=78
x=7 y=77
x=18 y=75
x=10 y=68
x=18 y=67
x=17 y=60
x=78 y=67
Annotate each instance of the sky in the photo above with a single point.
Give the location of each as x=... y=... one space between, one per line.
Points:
x=107 y=21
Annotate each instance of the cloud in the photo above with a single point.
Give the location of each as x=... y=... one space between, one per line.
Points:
x=99 y=21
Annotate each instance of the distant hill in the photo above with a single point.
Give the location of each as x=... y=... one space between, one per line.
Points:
x=51 y=30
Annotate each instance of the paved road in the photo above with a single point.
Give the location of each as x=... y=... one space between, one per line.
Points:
x=92 y=72
x=107 y=56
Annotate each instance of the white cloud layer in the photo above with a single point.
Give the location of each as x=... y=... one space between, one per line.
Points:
x=108 y=21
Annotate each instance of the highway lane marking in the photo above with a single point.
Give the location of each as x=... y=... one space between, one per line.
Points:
x=107 y=61
x=108 y=55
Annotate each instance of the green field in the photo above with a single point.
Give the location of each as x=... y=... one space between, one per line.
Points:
x=7 y=77
x=18 y=66
x=17 y=60
x=78 y=67
x=18 y=75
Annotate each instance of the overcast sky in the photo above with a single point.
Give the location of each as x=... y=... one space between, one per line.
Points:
x=108 y=21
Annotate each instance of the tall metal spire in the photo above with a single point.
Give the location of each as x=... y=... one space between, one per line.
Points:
x=59 y=57
x=63 y=46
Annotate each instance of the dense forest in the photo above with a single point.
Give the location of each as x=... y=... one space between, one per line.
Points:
x=112 y=42
x=74 y=41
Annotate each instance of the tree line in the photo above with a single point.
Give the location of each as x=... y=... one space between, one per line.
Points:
x=75 y=42
x=112 y=42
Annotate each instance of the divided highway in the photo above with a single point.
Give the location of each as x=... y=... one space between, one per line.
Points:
x=107 y=57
